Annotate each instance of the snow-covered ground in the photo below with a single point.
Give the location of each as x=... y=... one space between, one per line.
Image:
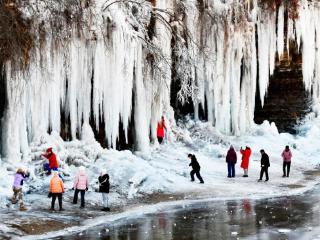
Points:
x=165 y=168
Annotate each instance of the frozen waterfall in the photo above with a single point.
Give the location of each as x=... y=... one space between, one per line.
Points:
x=109 y=72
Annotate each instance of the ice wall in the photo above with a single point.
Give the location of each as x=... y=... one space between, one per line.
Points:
x=96 y=71
x=226 y=62
x=221 y=49
x=308 y=35
x=240 y=43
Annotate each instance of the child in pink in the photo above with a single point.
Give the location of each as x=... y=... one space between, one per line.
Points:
x=81 y=184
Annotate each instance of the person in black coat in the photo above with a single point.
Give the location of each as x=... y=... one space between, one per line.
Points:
x=195 y=168
x=265 y=164
x=104 y=187
x=231 y=160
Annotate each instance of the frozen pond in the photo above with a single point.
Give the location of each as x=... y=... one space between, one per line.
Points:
x=295 y=217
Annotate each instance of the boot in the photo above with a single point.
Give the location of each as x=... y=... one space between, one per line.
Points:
x=106 y=209
x=23 y=208
x=14 y=201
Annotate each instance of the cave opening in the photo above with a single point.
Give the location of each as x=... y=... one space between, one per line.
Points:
x=287 y=102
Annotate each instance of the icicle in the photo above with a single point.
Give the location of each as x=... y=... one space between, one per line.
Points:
x=290 y=36
x=140 y=104
x=280 y=32
x=266 y=50
x=307 y=18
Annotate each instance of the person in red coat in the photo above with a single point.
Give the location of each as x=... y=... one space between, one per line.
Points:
x=53 y=162
x=161 y=130
x=245 y=160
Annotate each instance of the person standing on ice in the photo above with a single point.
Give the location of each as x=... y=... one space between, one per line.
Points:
x=53 y=162
x=81 y=184
x=286 y=156
x=245 y=160
x=161 y=130
x=56 y=190
x=265 y=164
x=195 y=168
x=231 y=160
x=20 y=176
x=104 y=187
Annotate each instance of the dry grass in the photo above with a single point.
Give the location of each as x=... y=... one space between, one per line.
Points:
x=16 y=39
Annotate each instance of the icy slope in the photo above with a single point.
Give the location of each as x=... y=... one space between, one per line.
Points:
x=165 y=169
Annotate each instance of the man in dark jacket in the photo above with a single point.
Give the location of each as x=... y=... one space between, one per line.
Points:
x=265 y=164
x=231 y=159
x=104 y=187
x=195 y=168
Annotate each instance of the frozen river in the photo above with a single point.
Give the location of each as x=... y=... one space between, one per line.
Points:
x=294 y=217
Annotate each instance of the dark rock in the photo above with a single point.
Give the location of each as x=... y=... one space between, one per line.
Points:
x=287 y=101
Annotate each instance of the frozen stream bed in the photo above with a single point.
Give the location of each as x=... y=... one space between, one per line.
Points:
x=292 y=217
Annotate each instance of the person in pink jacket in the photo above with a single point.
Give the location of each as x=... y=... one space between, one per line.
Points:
x=81 y=185
x=286 y=156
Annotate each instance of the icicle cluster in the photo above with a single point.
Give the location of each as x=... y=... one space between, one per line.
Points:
x=226 y=75
x=99 y=72
x=226 y=71
x=306 y=31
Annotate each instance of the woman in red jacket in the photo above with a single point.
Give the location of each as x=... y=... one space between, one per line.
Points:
x=245 y=160
x=161 y=130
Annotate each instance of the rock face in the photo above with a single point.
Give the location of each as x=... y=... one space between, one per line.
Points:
x=287 y=101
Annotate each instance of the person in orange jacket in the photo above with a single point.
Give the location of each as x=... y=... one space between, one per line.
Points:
x=161 y=130
x=53 y=162
x=56 y=190
x=245 y=160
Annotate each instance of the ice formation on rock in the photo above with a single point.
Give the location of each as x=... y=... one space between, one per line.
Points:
x=106 y=71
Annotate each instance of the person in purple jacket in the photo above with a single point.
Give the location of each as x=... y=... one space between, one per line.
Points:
x=20 y=176
x=231 y=160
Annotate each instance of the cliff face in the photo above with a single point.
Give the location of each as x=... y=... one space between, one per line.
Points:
x=111 y=65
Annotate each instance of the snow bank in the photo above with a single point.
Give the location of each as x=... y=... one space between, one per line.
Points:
x=165 y=168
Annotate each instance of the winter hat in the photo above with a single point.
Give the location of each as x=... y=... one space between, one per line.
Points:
x=103 y=172
x=49 y=149
x=82 y=169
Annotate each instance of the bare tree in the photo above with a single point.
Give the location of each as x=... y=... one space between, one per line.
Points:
x=16 y=38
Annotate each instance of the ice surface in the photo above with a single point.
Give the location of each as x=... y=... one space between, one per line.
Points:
x=284 y=230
